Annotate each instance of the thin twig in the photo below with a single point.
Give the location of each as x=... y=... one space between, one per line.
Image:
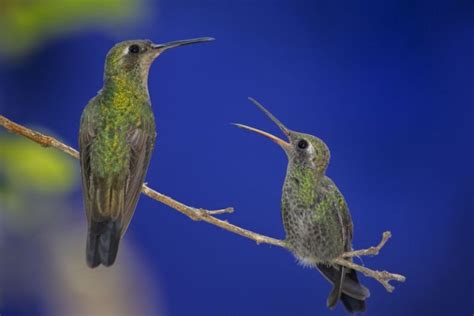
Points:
x=43 y=140
x=199 y=214
x=383 y=277
x=372 y=251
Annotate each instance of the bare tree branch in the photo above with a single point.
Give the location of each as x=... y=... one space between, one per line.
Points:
x=204 y=215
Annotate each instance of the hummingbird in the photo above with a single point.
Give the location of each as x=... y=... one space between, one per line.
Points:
x=116 y=139
x=317 y=222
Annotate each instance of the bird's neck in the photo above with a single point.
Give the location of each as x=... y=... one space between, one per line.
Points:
x=302 y=182
x=309 y=170
x=124 y=85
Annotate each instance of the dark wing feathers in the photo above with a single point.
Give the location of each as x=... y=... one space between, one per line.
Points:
x=345 y=220
x=86 y=135
x=141 y=143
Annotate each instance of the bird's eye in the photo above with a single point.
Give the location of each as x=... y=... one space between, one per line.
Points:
x=134 y=49
x=302 y=144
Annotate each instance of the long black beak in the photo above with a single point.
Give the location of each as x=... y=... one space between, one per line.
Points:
x=285 y=145
x=165 y=46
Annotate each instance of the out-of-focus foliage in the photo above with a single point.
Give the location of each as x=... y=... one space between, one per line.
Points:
x=25 y=24
x=27 y=167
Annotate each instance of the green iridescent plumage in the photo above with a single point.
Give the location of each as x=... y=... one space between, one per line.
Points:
x=315 y=216
x=116 y=138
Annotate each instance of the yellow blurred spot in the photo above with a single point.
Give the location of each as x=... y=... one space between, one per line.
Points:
x=26 y=23
x=29 y=166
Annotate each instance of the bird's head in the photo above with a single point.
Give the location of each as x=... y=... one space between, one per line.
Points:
x=302 y=149
x=133 y=58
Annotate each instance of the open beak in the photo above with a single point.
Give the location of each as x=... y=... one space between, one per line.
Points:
x=285 y=145
x=165 y=46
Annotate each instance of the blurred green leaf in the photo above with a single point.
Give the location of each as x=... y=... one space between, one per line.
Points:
x=26 y=165
x=26 y=23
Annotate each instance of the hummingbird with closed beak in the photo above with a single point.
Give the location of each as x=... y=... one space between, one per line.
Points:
x=317 y=222
x=116 y=139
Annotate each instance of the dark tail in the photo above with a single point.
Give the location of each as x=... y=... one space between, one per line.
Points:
x=346 y=288
x=102 y=243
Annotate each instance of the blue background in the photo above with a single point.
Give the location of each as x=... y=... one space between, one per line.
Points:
x=386 y=84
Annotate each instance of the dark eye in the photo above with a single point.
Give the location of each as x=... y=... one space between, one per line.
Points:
x=134 y=49
x=302 y=144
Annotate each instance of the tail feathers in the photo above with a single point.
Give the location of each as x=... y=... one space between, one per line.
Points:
x=353 y=305
x=346 y=288
x=335 y=294
x=102 y=243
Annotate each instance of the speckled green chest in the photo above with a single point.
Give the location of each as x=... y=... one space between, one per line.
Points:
x=315 y=216
x=115 y=115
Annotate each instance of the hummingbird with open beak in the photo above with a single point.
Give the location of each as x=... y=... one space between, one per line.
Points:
x=318 y=224
x=116 y=139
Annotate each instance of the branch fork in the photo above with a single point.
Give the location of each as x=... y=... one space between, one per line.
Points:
x=384 y=277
